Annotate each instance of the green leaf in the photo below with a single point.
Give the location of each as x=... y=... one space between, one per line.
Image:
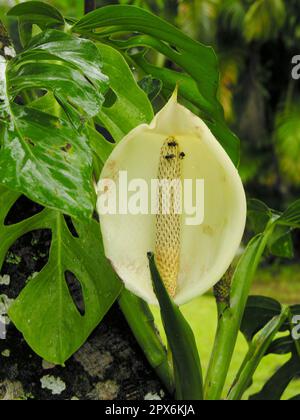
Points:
x=42 y=156
x=291 y=217
x=45 y=311
x=39 y=13
x=131 y=106
x=275 y=387
x=259 y=215
x=197 y=60
x=281 y=243
x=283 y=345
x=67 y=66
x=257 y=350
x=188 y=90
x=259 y=311
x=112 y=19
x=152 y=87
x=187 y=366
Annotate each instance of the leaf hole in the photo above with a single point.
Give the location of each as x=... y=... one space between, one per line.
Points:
x=22 y=209
x=71 y=227
x=25 y=259
x=67 y=148
x=105 y=133
x=75 y=290
x=29 y=141
x=175 y=49
x=110 y=99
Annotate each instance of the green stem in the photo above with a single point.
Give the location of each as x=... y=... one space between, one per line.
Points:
x=230 y=319
x=141 y=322
x=257 y=351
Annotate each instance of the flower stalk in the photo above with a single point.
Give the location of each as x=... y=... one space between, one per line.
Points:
x=230 y=318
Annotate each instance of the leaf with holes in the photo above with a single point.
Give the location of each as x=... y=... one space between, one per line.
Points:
x=198 y=61
x=42 y=156
x=46 y=311
x=129 y=105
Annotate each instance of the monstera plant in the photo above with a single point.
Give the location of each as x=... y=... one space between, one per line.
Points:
x=80 y=98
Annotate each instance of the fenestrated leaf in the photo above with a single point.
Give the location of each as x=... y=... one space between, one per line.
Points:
x=42 y=156
x=275 y=387
x=188 y=90
x=67 y=66
x=81 y=53
x=187 y=366
x=45 y=311
x=195 y=59
x=112 y=19
x=131 y=106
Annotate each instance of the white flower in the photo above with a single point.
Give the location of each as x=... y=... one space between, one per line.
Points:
x=191 y=258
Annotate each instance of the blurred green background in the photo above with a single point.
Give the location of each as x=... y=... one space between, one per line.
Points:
x=255 y=41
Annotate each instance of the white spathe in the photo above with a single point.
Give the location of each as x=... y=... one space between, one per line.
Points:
x=207 y=250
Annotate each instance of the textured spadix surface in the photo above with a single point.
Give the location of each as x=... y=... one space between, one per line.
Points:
x=205 y=251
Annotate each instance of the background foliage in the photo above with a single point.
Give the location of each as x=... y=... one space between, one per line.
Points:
x=255 y=41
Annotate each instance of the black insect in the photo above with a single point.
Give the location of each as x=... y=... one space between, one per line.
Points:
x=170 y=157
x=182 y=155
x=172 y=144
